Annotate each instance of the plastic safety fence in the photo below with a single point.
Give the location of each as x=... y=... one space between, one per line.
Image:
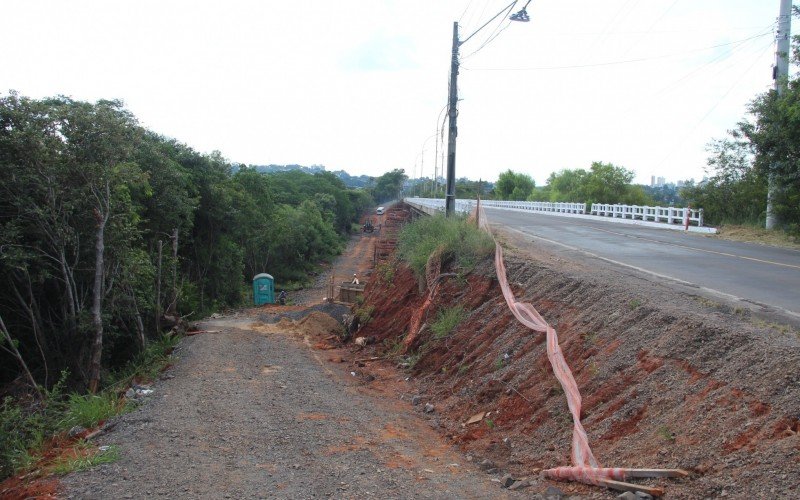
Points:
x=585 y=467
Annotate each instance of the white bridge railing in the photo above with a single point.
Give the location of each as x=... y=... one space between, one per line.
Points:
x=669 y=215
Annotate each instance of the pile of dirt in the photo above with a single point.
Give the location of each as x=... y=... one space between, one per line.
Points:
x=668 y=380
x=312 y=324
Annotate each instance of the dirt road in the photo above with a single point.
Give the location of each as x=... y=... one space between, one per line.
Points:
x=251 y=410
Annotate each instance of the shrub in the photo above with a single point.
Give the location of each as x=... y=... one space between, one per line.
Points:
x=459 y=242
x=446 y=321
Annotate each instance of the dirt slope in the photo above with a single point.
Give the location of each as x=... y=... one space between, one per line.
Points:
x=668 y=380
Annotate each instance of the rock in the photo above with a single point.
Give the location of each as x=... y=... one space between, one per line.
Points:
x=628 y=495
x=518 y=485
x=493 y=470
x=415 y=400
x=486 y=464
x=429 y=408
x=553 y=493
x=78 y=429
x=641 y=495
x=361 y=341
x=507 y=481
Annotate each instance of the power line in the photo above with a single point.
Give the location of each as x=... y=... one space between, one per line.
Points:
x=680 y=142
x=625 y=61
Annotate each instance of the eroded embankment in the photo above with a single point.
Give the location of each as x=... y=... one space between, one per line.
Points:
x=668 y=380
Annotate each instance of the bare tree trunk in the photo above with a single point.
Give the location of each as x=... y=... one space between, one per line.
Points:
x=139 y=322
x=71 y=300
x=158 y=286
x=97 y=298
x=12 y=349
x=35 y=325
x=173 y=303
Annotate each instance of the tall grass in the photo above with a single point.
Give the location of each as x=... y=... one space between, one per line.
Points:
x=446 y=321
x=25 y=429
x=460 y=242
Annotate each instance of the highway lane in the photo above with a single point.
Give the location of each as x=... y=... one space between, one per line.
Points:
x=757 y=274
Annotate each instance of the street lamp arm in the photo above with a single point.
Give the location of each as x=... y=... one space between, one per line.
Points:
x=506 y=8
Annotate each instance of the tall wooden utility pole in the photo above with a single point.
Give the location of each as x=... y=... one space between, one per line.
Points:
x=452 y=113
x=780 y=74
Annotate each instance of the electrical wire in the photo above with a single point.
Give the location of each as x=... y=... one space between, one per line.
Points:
x=650 y=28
x=497 y=30
x=625 y=61
x=680 y=142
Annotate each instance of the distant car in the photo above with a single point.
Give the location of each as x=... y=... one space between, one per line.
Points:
x=379 y=210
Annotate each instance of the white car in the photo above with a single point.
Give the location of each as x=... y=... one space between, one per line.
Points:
x=379 y=210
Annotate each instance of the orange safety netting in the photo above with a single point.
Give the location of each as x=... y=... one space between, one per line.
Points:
x=585 y=467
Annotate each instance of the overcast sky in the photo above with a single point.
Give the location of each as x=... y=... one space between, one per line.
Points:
x=359 y=85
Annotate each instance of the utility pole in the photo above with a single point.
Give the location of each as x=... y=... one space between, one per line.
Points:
x=780 y=74
x=452 y=113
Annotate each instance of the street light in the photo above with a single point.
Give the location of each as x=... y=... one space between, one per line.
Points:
x=450 y=195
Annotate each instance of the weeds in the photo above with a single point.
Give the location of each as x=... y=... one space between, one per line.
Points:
x=634 y=304
x=385 y=272
x=666 y=434
x=364 y=314
x=499 y=363
x=462 y=368
x=489 y=423
x=26 y=428
x=89 y=410
x=447 y=320
x=460 y=242
x=84 y=458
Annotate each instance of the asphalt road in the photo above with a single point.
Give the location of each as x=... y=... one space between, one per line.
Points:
x=757 y=275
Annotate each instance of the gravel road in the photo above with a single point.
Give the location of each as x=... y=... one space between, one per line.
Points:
x=244 y=414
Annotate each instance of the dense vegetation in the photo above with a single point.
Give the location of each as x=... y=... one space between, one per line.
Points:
x=457 y=241
x=106 y=226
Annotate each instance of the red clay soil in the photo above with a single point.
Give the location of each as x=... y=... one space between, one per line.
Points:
x=668 y=380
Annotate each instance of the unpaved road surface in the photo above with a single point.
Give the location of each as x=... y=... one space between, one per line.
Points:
x=248 y=414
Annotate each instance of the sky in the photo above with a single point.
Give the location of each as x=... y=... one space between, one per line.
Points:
x=360 y=85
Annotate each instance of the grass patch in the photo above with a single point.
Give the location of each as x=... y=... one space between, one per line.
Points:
x=26 y=427
x=147 y=365
x=666 y=434
x=759 y=235
x=459 y=242
x=634 y=304
x=385 y=272
x=447 y=320
x=83 y=456
x=364 y=314
x=89 y=410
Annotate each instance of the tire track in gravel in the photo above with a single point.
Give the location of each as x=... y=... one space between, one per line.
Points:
x=243 y=414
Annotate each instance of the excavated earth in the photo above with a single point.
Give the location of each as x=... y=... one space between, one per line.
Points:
x=668 y=380
x=270 y=403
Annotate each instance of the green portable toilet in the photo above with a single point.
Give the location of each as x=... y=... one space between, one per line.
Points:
x=263 y=289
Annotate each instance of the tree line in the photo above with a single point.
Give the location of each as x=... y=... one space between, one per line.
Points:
x=106 y=228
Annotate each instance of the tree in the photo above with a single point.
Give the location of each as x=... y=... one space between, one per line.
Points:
x=514 y=186
x=388 y=186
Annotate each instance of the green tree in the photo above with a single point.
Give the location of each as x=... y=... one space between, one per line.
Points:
x=388 y=186
x=513 y=186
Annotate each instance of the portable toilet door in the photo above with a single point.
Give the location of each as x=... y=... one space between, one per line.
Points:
x=263 y=289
